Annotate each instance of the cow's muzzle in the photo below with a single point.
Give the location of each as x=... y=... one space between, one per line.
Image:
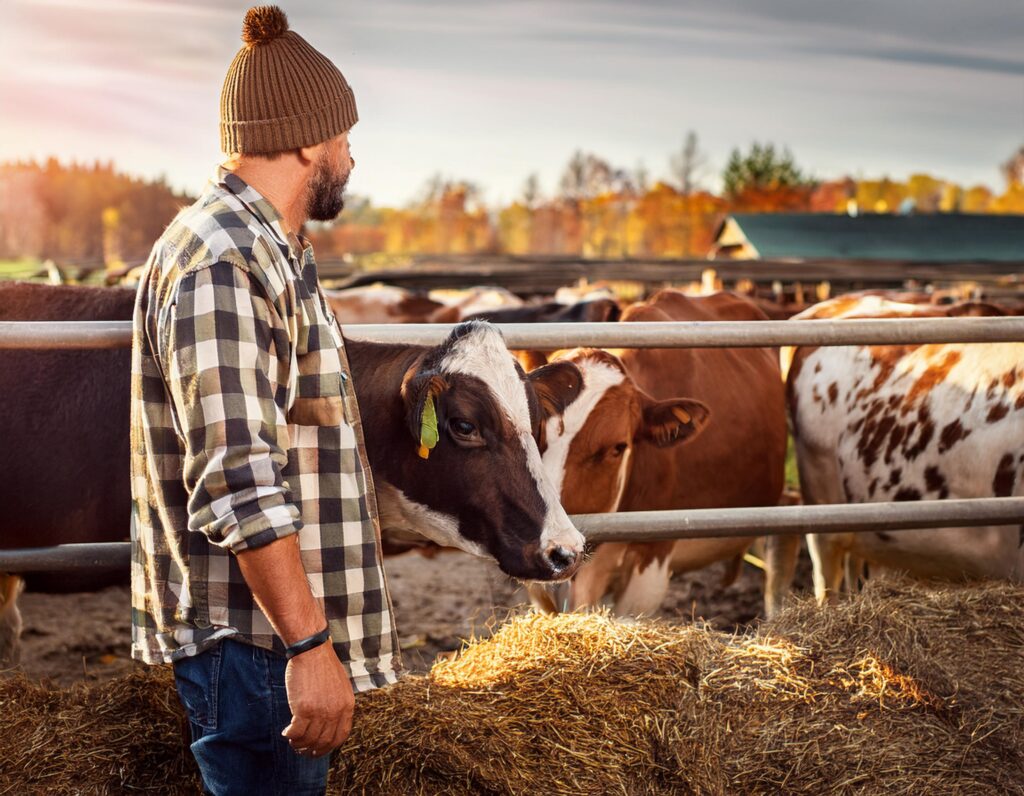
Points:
x=560 y=561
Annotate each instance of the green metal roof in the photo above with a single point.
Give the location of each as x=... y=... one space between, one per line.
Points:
x=943 y=237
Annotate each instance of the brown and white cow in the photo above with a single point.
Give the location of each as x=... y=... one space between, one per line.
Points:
x=64 y=462
x=660 y=429
x=380 y=303
x=924 y=422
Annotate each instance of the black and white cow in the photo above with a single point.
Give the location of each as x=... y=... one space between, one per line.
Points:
x=64 y=461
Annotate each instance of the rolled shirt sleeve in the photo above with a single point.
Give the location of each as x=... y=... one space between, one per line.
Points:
x=227 y=365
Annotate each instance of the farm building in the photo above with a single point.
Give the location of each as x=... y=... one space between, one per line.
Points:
x=946 y=237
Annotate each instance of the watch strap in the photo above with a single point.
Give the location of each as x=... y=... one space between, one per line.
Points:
x=306 y=644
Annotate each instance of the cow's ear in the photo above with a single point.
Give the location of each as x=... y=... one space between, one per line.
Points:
x=444 y=314
x=417 y=386
x=601 y=310
x=673 y=421
x=556 y=385
x=530 y=360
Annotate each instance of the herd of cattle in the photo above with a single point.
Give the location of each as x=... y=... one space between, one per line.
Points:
x=531 y=437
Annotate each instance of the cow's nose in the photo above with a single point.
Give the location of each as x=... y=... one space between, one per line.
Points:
x=560 y=558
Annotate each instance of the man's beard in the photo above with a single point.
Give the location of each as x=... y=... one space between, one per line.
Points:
x=325 y=195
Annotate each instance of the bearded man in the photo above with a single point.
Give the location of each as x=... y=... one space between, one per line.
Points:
x=256 y=565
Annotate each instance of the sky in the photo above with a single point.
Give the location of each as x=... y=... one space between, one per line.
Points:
x=493 y=91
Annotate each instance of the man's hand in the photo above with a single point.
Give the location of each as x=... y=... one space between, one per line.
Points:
x=321 y=700
x=319 y=692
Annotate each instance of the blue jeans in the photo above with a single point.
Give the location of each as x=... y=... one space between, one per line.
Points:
x=237 y=706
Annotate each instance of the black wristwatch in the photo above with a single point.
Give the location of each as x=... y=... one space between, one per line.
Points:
x=306 y=644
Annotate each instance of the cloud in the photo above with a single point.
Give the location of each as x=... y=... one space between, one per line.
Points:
x=493 y=90
x=945 y=60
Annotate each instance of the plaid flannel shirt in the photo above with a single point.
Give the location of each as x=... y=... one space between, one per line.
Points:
x=245 y=429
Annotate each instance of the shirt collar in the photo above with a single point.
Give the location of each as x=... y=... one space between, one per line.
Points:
x=263 y=209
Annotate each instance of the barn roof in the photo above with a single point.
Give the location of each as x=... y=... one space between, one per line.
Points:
x=942 y=237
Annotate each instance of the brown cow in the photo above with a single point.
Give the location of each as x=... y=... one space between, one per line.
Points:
x=659 y=429
x=64 y=458
x=63 y=473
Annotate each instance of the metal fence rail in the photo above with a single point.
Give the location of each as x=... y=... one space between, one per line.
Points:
x=679 y=334
x=629 y=526
x=648 y=526
x=93 y=557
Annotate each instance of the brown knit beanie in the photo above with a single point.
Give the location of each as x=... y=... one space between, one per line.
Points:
x=280 y=93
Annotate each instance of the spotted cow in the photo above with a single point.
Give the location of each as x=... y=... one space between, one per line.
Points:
x=905 y=423
x=660 y=429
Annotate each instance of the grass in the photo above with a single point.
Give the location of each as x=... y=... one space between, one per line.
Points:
x=19 y=269
x=32 y=269
x=792 y=476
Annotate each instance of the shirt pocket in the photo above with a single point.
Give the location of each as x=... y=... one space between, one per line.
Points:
x=323 y=472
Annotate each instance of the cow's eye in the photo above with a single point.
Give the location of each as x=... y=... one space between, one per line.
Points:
x=464 y=432
x=617 y=451
x=462 y=427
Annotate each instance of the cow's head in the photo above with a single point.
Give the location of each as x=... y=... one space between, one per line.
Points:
x=479 y=485
x=588 y=448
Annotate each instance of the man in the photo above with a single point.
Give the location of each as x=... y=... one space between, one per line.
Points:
x=256 y=557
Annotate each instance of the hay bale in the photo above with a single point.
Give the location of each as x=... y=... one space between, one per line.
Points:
x=124 y=735
x=906 y=689
x=875 y=696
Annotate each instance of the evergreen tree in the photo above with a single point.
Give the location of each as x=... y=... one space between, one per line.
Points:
x=763 y=169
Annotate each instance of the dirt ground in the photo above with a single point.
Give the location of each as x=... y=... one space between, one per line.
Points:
x=72 y=638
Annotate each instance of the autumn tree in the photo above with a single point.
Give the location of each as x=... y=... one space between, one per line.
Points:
x=1013 y=168
x=600 y=195
x=641 y=178
x=530 y=194
x=360 y=229
x=574 y=178
x=687 y=164
x=82 y=214
x=977 y=199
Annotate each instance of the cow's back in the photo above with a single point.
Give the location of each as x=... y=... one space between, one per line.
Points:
x=738 y=460
x=64 y=477
x=889 y=414
x=906 y=423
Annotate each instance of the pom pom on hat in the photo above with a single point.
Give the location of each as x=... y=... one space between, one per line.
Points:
x=263 y=23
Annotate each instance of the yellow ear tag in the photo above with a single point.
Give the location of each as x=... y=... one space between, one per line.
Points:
x=428 y=428
x=681 y=414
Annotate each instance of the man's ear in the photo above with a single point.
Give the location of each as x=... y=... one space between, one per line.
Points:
x=673 y=421
x=417 y=386
x=309 y=154
x=556 y=385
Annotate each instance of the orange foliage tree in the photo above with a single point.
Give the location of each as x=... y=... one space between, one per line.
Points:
x=93 y=213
